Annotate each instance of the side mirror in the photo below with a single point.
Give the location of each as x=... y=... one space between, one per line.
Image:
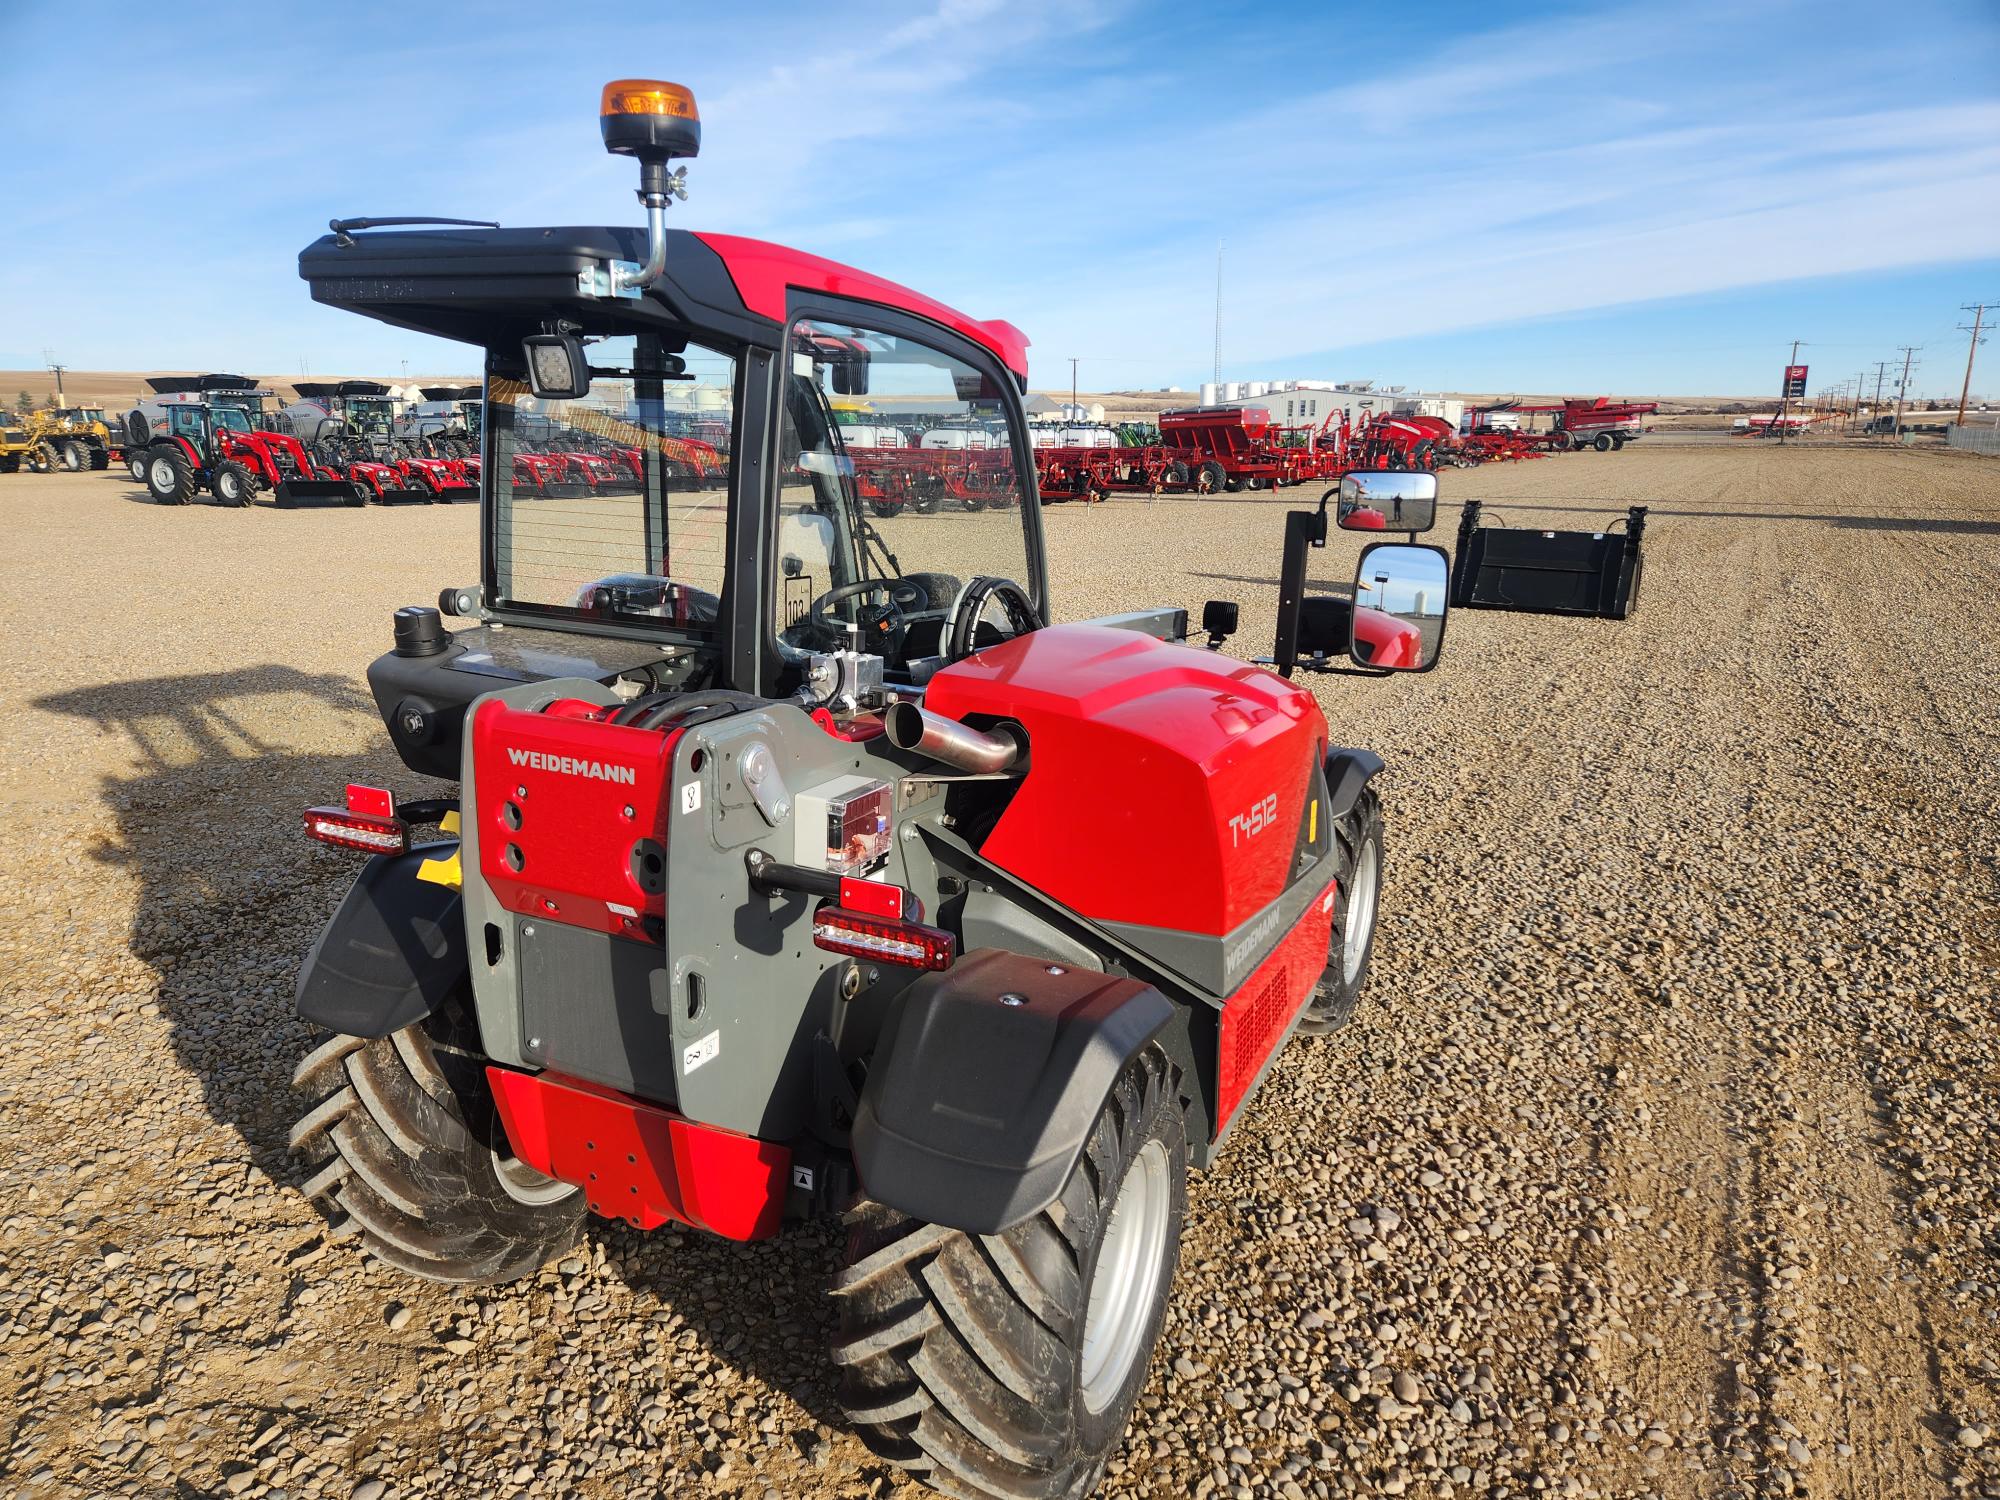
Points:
x=792 y=564
x=1387 y=500
x=557 y=369
x=1400 y=601
x=1218 y=618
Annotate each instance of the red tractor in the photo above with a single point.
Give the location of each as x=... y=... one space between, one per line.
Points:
x=203 y=432
x=353 y=423
x=790 y=863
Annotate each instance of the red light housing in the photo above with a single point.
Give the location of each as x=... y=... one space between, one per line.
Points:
x=911 y=944
x=368 y=823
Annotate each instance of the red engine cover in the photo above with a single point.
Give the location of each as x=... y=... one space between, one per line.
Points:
x=1255 y=1017
x=1166 y=784
x=572 y=814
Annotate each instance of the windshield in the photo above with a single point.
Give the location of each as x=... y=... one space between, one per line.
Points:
x=615 y=505
x=897 y=462
x=231 y=418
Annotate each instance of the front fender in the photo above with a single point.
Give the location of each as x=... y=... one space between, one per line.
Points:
x=1348 y=773
x=392 y=952
x=986 y=1082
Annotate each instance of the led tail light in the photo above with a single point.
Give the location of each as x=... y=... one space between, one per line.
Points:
x=839 y=930
x=368 y=823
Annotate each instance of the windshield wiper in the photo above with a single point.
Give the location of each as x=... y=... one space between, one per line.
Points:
x=343 y=235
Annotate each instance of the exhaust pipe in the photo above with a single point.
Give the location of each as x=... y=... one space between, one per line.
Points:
x=909 y=727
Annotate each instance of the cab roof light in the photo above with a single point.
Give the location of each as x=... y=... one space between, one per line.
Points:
x=648 y=96
x=910 y=944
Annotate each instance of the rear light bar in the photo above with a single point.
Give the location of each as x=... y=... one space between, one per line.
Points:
x=368 y=823
x=912 y=944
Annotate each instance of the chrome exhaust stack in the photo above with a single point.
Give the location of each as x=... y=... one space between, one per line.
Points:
x=909 y=727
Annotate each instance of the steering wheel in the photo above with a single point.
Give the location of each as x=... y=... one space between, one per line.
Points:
x=961 y=634
x=882 y=625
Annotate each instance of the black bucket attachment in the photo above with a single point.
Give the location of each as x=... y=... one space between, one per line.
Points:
x=1592 y=573
x=414 y=495
x=296 y=493
x=458 y=492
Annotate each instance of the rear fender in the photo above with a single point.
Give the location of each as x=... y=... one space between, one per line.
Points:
x=987 y=1080
x=392 y=952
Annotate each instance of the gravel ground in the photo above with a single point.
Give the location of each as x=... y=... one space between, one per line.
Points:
x=1661 y=1160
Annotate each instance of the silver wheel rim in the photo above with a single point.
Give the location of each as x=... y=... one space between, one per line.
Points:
x=1363 y=888
x=163 y=474
x=1126 y=1282
x=524 y=1184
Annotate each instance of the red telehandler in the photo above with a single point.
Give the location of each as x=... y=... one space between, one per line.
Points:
x=789 y=862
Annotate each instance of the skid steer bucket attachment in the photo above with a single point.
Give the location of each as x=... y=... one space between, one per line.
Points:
x=1548 y=572
x=297 y=493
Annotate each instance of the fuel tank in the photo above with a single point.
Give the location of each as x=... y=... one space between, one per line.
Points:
x=1167 y=786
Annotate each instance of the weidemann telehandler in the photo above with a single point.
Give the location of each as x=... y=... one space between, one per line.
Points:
x=796 y=864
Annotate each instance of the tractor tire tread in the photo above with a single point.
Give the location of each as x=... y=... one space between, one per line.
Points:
x=400 y=1143
x=1327 y=1013
x=959 y=1351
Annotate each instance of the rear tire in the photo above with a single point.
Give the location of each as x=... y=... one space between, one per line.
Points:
x=1000 y=1365
x=1602 y=442
x=403 y=1149
x=75 y=457
x=99 y=457
x=135 y=465
x=169 y=477
x=1210 y=477
x=1357 y=867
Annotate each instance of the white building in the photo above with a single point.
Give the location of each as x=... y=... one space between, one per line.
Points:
x=1308 y=403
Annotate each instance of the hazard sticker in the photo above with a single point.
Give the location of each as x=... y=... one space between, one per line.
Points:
x=691 y=797
x=706 y=1050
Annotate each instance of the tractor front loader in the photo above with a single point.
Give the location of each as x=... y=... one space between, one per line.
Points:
x=780 y=859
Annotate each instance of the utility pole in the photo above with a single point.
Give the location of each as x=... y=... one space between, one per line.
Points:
x=1978 y=311
x=1875 y=406
x=55 y=369
x=1785 y=402
x=1903 y=388
x=1217 y=376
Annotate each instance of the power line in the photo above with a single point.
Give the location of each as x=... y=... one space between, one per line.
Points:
x=1217 y=377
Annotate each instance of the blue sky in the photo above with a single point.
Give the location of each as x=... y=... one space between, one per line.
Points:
x=1642 y=199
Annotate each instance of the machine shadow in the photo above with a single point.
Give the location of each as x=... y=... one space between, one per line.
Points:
x=231 y=895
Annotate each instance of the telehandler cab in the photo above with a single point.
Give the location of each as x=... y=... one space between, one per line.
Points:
x=796 y=864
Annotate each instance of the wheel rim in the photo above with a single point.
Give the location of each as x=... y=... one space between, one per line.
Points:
x=163 y=475
x=1126 y=1282
x=524 y=1184
x=1363 y=887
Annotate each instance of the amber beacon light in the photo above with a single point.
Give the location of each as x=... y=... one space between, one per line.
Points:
x=651 y=120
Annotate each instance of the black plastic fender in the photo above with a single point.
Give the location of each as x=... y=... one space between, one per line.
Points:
x=392 y=952
x=1347 y=773
x=986 y=1081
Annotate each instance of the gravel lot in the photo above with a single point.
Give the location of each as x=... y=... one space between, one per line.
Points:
x=1661 y=1160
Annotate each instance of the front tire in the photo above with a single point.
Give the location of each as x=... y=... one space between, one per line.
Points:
x=1357 y=840
x=1008 y=1364
x=75 y=457
x=232 y=484
x=404 y=1149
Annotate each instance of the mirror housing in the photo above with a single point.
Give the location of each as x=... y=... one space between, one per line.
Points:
x=1401 y=597
x=557 y=368
x=1387 y=500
